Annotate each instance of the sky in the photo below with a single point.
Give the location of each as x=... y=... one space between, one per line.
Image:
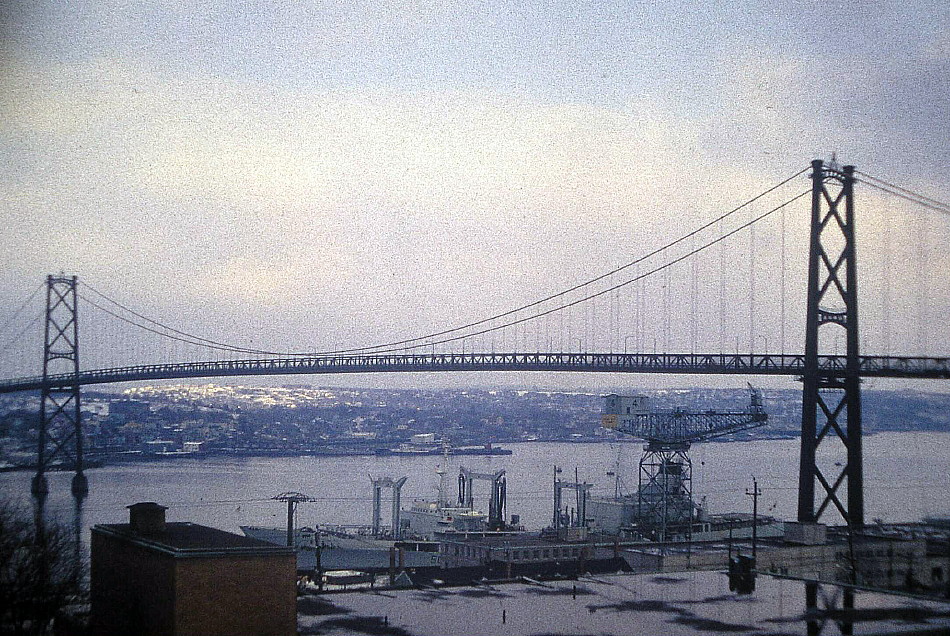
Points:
x=304 y=175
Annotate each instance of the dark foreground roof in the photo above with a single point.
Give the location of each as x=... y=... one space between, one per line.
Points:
x=184 y=540
x=696 y=603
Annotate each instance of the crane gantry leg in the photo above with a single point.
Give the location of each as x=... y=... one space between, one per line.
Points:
x=665 y=492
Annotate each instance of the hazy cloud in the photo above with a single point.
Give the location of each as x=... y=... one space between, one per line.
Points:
x=391 y=168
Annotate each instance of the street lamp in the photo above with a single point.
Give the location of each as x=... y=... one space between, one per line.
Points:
x=626 y=339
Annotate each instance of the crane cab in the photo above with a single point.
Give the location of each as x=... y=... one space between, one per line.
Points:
x=618 y=409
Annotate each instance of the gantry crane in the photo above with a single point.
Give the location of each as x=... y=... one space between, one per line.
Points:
x=664 y=496
x=496 y=504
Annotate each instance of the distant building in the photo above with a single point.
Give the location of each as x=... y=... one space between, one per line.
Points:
x=150 y=577
x=130 y=409
x=424 y=438
x=159 y=446
x=512 y=554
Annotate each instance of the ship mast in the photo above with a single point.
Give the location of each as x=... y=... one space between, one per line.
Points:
x=440 y=471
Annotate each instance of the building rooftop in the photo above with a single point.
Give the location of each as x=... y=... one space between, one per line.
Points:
x=744 y=544
x=697 y=603
x=190 y=539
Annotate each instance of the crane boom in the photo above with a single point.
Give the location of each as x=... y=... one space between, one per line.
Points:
x=680 y=426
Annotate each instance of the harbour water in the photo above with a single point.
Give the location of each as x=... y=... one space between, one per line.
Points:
x=907 y=476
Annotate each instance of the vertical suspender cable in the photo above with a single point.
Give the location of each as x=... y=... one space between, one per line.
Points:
x=722 y=293
x=886 y=282
x=692 y=294
x=751 y=282
x=920 y=285
x=782 y=302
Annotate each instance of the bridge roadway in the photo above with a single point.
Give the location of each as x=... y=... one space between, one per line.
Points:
x=671 y=363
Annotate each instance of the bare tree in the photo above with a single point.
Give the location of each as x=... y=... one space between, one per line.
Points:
x=40 y=570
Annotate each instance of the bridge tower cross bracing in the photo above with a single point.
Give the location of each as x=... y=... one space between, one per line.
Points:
x=831 y=394
x=60 y=438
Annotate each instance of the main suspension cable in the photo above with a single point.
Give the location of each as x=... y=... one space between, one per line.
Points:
x=186 y=339
x=428 y=340
x=655 y=270
x=911 y=193
x=391 y=346
x=195 y=340
x=22 y=331
x=23 y=305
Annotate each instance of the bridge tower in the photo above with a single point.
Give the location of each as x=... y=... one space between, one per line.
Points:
x=831 y=395
x=60 y=426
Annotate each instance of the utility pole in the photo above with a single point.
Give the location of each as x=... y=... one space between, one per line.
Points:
x=755 y=513
x=292 y=499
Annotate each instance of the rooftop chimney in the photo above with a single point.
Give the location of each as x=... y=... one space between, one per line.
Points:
x=147 y=518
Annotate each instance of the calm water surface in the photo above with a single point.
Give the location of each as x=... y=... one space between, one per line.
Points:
x=907 y=476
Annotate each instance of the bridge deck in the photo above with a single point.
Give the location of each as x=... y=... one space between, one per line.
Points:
x=672 y=363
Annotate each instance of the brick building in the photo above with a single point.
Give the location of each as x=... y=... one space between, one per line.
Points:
x=152 y=577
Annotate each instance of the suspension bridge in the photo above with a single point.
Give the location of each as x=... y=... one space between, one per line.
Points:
x=740 y=274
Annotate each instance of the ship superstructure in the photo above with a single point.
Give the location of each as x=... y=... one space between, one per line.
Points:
x=425 y=518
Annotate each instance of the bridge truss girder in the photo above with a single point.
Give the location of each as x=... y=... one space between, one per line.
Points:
x=911 y=367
